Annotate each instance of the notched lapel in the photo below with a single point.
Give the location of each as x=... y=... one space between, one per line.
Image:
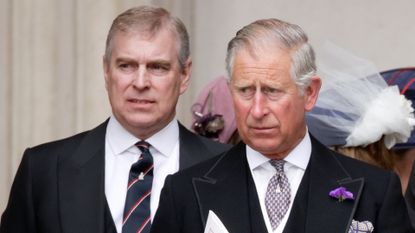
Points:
x=188 y=147
x=202 y=186
x=81 y=185
x=325 y=213
x=354 y=186
x=335 y=215
x=223 y=189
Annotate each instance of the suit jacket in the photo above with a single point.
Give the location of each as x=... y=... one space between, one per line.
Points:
x=225 y=185
x=410 y=196
x=59 y=186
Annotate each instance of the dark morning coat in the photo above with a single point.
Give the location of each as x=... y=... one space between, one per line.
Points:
x=225 y=185
x=59 y=186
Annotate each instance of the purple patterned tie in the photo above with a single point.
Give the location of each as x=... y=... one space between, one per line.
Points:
x=137 y=204
x=277 y=198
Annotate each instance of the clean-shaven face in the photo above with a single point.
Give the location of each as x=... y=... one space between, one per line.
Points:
x=268 y=104
x=144 y=80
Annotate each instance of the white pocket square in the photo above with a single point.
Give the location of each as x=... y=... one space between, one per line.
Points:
x=361 y=227
x=214 y=225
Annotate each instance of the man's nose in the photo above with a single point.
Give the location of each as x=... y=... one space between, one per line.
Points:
x=141 y=78
x=259 y=105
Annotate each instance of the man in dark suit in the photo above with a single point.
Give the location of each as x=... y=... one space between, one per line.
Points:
x=79 y=184
x=280 y=178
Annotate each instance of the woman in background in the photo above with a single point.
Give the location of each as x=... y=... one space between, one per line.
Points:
x=358 y=113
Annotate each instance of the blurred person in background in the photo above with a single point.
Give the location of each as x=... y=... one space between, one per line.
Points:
x=405 y=152
x=213 y=114
x=357 y=113
x=360 y=115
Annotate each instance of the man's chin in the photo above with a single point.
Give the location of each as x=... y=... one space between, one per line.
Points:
x=263 y=145
x=143 y=124
x=141 y=121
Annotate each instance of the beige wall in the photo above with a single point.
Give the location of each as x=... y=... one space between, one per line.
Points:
x=51 y=82
x=380 y=30
x=6 y=174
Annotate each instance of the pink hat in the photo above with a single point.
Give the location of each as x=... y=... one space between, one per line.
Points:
x=213 y=112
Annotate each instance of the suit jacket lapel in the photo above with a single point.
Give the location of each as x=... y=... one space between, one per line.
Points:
x=224 y=190
x=81 y=185
x=189 y=145
x=256 y=217
x=327 y=173
x=296 y=221
x=323 y=174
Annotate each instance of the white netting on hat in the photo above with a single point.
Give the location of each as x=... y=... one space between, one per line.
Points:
x=356 y=107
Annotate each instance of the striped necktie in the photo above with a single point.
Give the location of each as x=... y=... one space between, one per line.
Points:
x=137 y=204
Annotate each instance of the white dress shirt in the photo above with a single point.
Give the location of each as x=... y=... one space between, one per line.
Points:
x=121 y=153
x=295 y=164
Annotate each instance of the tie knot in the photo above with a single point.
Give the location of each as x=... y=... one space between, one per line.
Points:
x=143 y=146
x=278 y=164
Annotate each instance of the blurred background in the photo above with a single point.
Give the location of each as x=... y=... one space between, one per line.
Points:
x=51 y=79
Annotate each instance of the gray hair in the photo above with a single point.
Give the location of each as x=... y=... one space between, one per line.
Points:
x=149 y=20
x=274 y=32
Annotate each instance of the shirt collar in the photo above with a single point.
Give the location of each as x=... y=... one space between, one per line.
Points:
x=298 y=157
x=166 y=139
x=121 y=140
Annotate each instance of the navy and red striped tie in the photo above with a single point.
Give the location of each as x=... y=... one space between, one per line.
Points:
x=137 y=204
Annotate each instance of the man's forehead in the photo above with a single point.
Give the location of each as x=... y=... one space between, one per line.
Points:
x=259 y=68
x=145 y=33
x=272 y=57
x=269 y=70
x=247 y=73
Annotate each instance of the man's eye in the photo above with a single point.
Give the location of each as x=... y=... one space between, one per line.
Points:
x=246 y=91
x=272 y=93
x=159 y=69
x=270 y=90
x=126 y=67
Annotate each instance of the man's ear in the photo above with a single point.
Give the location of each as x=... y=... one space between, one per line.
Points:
x=311 y=93
x=185 y=76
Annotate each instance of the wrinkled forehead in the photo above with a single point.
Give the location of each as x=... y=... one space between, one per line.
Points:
x=270 y=64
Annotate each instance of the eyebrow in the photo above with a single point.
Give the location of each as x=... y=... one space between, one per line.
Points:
x=123 y=59
x=160 y=61
x=156 y=61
